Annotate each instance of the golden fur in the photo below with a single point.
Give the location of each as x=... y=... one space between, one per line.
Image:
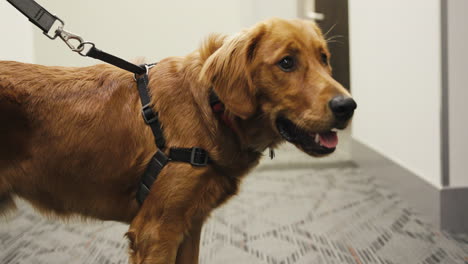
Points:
x=73 y=142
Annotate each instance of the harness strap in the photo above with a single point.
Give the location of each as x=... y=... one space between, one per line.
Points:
x=155 y=166
x=196 y=156
x=151 y=117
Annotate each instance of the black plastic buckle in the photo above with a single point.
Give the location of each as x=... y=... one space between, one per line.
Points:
x=148 y=114
x=199 y=157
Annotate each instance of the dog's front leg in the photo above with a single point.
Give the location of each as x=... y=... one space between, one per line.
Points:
x=153 y=239
x=189 y=249
x=165 y=222
x=160 y=242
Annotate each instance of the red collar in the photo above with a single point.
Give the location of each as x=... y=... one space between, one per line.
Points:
x=219 y=110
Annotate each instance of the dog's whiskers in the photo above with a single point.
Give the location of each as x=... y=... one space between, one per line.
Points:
x=335 y=41
x=333 y=38
x=329 y=30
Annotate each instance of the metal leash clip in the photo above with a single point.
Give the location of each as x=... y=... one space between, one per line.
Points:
x=68 y=37
x=58 y=23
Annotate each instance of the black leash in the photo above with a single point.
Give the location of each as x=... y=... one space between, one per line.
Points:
x=52 y=27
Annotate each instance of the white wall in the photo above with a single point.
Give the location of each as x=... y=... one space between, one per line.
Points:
x=458 y=91
x=257 y=10
x=395 y=49
x=16 y=35
x=153 y=29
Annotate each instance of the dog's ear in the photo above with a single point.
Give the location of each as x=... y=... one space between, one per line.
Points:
x=229 y=71
x=131 y=239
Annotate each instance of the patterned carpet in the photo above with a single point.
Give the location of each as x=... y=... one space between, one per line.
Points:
x=329 y=213
x=323 y=215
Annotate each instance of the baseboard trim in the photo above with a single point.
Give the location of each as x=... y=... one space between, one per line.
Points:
x=454 y=210
x=445 y=208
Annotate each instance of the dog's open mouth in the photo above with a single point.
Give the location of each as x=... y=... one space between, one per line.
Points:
x=313 y=143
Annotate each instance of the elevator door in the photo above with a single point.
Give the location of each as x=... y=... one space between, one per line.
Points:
x=332 y=17
x=335 y=20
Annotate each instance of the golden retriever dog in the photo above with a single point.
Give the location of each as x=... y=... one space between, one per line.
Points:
x=73 y=141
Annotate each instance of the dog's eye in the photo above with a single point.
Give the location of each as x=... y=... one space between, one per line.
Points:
x=287 y=64
x=324 y=58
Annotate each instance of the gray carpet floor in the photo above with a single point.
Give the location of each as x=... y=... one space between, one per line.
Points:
x=328 y=212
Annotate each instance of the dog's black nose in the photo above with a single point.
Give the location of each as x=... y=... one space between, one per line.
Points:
x=342 y=107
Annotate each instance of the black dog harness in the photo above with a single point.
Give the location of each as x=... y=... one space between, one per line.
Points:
x=196 y=156
x=52 y=27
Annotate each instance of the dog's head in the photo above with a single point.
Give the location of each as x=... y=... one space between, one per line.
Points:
x=278 y=72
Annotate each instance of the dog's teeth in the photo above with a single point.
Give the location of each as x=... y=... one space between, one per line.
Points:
x=317 y=138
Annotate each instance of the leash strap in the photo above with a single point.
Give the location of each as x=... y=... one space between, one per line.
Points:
x=43 y=19
x=116 y=61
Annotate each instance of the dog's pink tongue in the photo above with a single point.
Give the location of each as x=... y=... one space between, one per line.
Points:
x=328 y=139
